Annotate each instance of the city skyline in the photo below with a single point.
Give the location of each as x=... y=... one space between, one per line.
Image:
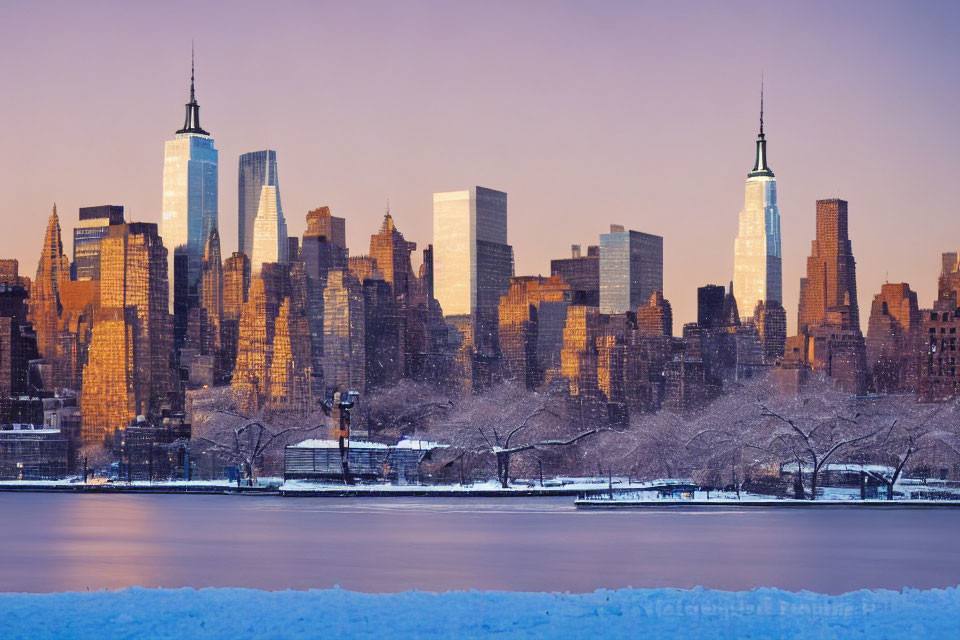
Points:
x=821 y=151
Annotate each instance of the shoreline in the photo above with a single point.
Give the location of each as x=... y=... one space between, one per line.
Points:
x=586 y=498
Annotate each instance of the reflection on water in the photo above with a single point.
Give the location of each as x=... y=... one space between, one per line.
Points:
x=52 y=542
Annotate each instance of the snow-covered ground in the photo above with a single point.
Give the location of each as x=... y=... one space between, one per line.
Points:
x=627 y=613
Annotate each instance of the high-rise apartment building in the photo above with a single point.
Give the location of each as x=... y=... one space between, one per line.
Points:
x=757 y=267
x=631 y=269
x=94 y=225
x=257 y=170
x=190 y=169
x=472 y=262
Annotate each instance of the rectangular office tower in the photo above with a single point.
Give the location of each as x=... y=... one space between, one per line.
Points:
x=472 y=261
x=93 y=227
x=258 y=169
x=631 y=269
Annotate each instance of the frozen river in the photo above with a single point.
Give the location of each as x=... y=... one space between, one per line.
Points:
x=54 y=542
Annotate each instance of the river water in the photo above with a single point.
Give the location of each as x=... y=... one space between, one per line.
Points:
x=56 y=542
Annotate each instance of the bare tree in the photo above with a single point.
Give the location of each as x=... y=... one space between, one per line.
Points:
x=815 y=444
x=509 y=420
x=915 y=429
x=247 y=439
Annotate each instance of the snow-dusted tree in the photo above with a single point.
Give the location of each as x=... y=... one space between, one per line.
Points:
x=916 y=428
x=246 y=440
x=509 y=420
x=404 y=408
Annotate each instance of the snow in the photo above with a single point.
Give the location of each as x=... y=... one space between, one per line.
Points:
x=363 y=444
x=629 y=613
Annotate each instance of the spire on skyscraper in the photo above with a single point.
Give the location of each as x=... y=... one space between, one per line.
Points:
x=191 y=123
x=760 y=167
x=761 y=104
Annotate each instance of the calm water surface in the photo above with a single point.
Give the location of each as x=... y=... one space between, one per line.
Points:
x=51 y=542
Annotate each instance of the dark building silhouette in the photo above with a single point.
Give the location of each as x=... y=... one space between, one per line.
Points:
x=710 y=306
x=582 y=273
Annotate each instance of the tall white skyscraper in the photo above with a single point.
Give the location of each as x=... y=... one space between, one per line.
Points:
x=190 y=193
x=256 y=169
x=757 y=270
x=269 y=242
x=472 y=262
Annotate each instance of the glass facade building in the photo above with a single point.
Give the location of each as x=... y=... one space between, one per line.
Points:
x=93 y=227
x=269 y=231
x=631 y=269
x=757 y=269
x=190 y=195
x=257 y=169
x=472 y=262
x=467 y=224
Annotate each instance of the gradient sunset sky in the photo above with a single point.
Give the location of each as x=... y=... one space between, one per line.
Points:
x=585 y=113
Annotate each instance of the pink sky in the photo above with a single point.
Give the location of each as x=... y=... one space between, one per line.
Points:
x=586 y=113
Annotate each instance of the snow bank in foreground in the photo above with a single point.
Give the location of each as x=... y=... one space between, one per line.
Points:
x=628 y=613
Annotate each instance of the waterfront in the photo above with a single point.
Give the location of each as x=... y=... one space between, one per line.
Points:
x=56 y=542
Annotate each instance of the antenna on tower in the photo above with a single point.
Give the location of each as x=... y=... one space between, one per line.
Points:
x=193 y=95
x=761 y=103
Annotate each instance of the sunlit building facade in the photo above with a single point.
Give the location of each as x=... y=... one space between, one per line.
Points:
x=472 y=262
x=269 y=231
x=757 y=267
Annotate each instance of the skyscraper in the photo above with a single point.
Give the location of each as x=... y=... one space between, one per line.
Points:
x=322 y=250
x=631 y=269
x=828 y=319
x=472 y=262
x=93 y=227
x=258 y=169
x=757 y=268
x=344 y=341
x=128 y=372
x=392 y=254
x=830 y=287
x=212 y=294
x=52 y=271
x=190 y=169
x=269 y=231
x=532 y=316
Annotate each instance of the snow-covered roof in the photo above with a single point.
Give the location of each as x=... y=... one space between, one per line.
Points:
x=841 y=467
x=420 y=445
